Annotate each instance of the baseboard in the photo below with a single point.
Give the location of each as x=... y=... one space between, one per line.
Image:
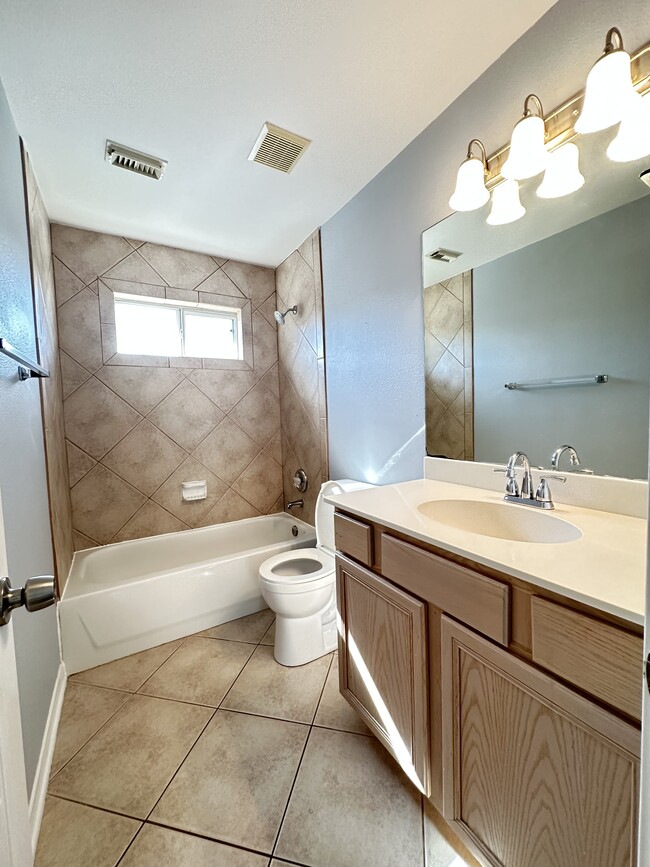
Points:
x=42 y=778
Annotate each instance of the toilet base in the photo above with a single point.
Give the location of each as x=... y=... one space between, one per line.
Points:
x=299 y=640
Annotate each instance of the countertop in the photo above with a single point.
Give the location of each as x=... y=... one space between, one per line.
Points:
x=605 y=568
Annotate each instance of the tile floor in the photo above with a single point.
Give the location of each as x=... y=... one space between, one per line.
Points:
x=205 y=751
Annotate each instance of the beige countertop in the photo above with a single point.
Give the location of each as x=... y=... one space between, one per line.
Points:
x=605 y=568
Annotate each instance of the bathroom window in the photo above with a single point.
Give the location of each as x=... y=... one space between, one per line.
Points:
x=158 y=326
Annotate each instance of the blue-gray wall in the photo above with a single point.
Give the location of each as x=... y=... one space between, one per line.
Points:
x=372 y=281
x=23 y=483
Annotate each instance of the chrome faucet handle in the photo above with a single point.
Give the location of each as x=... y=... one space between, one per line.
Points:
x=543 y=495
x=512 y=488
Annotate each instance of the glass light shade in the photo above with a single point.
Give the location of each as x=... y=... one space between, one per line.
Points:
x=506 y=206
x=609 y=90
x=528 y=155
x=562 y=174
x=470 y=192
x=632 y=141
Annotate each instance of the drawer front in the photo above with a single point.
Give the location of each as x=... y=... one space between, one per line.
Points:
x=478 y=601
x=599 y=658
x=354 y=538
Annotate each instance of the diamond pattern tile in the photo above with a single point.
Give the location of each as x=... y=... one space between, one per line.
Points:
x=102 y=503
x=258 y=414
x=255 y=282
x=145 y=457
x=227 y=451
x=67 y=284
x=134 y=268
x=224 y=387
x=261 y=482
x=72 y=374
x=141 y=387
x=150 y=520
x=186 y=415
x=96 y=419
x=169 y=495
x=87 y=254
x=180 y=268
x=219 y=283
x=79 y=331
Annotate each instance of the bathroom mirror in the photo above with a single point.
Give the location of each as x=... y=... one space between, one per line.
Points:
x=538 y=333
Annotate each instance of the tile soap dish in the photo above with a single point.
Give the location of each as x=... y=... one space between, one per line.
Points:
x=194 y=490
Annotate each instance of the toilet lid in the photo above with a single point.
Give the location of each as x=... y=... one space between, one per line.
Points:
x=302 y=565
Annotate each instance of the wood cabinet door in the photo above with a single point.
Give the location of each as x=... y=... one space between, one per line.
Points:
x=383 y=664
x=535 y=775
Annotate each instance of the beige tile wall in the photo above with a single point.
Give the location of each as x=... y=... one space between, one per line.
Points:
x=51 y=389
x=136 y=427
x=449 y=367
x=302 y=373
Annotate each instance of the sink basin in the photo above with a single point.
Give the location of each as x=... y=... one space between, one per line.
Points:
x=501 y=521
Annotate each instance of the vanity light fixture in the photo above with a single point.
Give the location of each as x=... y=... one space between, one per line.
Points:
x=471 y=192
x=609 y=87
x=632 y=140
x=506 y=205
x=562 y=175
x=528 y=155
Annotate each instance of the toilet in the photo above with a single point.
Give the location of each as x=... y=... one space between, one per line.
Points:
x=300 y=586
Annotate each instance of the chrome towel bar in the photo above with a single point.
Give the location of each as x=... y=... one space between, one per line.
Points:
x=26 y=368
x=563 y=381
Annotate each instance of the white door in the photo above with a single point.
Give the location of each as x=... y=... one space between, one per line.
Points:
x=15 y=843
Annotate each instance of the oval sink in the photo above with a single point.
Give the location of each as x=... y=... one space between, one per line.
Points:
x=501 y=521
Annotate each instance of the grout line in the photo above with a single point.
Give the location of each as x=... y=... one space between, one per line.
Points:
x=320 y=697
x=293 y=785
x=134 y=838
x=220 y=840
x=95 y=807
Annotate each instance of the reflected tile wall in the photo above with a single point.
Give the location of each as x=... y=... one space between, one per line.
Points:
x=302 y=373
x=138 y=426
x=449 y=367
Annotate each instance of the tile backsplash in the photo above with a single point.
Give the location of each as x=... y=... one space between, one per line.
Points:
x=138 y=426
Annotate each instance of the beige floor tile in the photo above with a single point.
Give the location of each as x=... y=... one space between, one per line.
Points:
x=350 y=796
x=438 y=851
x=130 y=672
x=73 y=835
x=85 y=710
x=161 y=847
x=267 y=688
x=126 y=766
x=269 y=635
x=333 y=710
x=201 y=671
x=235 y=783
x=251 y=629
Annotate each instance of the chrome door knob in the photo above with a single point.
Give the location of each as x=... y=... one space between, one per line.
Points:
x=38 y=592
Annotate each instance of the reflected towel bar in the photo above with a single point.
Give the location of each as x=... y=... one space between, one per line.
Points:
x=26 y=368
x=590 y=379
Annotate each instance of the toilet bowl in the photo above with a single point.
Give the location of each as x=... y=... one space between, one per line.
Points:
x=299 y=586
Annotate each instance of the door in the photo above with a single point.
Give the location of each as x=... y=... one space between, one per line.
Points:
x=383 y=664
x=644 y=813
x=15 y=843
x=566 y=795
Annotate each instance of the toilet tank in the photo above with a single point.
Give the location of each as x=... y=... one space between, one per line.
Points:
x=325 y=511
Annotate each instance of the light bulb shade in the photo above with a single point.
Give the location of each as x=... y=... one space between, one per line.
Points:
x=609 y=90
x=506 y=206
x=562 y=174
x=632 y=141
x=528 y=155
x=470 y=192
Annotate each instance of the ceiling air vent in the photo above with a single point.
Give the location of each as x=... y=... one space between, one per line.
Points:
x=278 y=148
x=443 y=255
x=134 y=161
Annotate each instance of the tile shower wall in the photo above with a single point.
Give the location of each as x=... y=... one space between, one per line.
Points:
x=302 y=373
x=51 y=389
x=137 y=426
x=448 y=367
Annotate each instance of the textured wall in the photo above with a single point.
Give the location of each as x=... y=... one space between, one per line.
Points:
x=51 y=389
x=137 y=426
x=372 y=267
x=23 y=479
x=302 y=373
x=448 y=367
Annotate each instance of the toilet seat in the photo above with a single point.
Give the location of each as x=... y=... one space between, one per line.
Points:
x=302 y=582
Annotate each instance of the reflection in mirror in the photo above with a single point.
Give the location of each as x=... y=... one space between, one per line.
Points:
x=563 y=294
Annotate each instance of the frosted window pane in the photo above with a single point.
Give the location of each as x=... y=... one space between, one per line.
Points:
x=210 y=336
x=150 y=329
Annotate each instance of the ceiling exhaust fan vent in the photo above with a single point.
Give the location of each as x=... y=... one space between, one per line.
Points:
x=278 y=148
x=133 y=161
x=443 y=255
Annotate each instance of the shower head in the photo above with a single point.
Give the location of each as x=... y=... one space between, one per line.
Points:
x=280 y=317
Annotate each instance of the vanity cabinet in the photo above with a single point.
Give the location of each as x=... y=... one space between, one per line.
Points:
x=535 y=774
x=383 y=664
x=516 y=711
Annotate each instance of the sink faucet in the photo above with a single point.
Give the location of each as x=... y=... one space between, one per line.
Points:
x=542 y=496
x=557 y=455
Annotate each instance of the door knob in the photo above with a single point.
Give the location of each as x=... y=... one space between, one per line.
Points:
x=38 y=592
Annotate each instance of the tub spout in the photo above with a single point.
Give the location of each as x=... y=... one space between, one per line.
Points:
x=295 y=504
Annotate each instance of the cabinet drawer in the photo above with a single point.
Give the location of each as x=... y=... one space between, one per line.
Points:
x=353 y=538
x=478 y=601
x=599 y=658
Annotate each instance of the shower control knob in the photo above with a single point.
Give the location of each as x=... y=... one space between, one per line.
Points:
x=300 y=481
x=38 y=592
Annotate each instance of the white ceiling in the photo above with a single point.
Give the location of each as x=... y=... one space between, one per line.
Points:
x=193 y=82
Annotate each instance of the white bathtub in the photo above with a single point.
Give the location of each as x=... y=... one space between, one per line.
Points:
x=131 y=596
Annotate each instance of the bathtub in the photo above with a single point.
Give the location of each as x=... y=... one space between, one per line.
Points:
x=130 y=596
